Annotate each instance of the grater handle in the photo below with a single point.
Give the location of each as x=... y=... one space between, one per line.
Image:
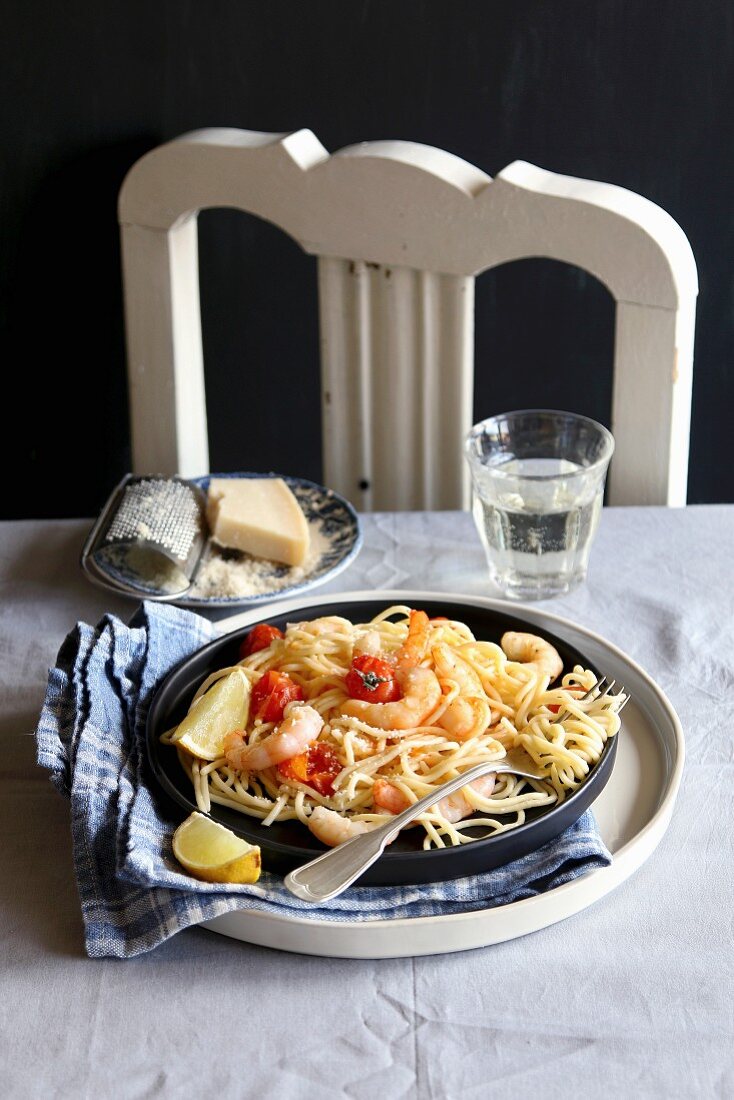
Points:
x=102 y=518
x=89 y=566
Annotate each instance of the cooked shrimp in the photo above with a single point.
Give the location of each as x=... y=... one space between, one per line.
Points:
x=529 y=649
x=455 y=807
x=421 y=695
x=465 y=718
x=413 y=649
x=332 y=829
x=296 y=732
x=469 y=713
x=388 y=798
x=450 y=666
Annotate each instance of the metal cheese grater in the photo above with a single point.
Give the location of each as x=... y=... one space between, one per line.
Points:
x=149 y=537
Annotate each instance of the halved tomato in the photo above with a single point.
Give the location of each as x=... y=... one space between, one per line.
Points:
x=259 y=638
x=372 y=680
x=271 y=695
x=317 y=768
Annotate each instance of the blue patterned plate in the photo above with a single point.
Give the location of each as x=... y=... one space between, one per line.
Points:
x=226 y=578
x=336 y=539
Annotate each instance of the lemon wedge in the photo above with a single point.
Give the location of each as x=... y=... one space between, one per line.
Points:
x=210 y=852
x=222 y=709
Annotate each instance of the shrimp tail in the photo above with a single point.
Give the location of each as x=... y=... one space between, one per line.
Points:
x=414 y=648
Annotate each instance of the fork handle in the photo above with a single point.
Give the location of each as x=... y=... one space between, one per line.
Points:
x=330 y=874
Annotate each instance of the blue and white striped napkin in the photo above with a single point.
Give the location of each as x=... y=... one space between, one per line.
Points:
x=91 y=736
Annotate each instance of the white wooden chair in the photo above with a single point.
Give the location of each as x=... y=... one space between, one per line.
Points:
x=400 y=231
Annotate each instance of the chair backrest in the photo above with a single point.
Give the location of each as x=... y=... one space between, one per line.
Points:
x=400 y=231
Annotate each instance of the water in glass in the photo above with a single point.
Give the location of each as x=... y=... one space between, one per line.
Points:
x=537 y=534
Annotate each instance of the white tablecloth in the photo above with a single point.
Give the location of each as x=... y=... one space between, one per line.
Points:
x=632 y=997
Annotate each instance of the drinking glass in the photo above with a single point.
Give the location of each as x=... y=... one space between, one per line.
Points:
x=538 y=482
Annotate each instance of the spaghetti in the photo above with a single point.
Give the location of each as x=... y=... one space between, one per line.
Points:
x=455 y=702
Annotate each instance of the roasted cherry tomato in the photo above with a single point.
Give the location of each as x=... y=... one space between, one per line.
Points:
x=259 y=638
x=317 y=768
x=295 y=768
x=271 y=695
x=324 y=766
x=372 y=680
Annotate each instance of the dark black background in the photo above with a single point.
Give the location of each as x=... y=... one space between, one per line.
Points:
x=633 y=92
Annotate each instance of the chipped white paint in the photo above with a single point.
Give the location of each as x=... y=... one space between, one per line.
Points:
x=400 y=231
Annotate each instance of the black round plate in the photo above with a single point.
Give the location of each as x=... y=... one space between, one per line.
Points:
x=289 y=844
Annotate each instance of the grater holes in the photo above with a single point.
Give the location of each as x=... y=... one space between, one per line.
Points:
x=157 y=510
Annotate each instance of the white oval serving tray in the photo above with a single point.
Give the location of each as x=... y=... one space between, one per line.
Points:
x=633 y=813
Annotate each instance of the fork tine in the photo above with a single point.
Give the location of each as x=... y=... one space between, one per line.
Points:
x=607 y=689
x=601 y=686
x=624 y=702
x=598 y=690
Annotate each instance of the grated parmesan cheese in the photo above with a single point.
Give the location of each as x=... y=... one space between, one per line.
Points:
x=233 y=573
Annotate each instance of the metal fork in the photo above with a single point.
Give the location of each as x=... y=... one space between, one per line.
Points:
x=330 y=874
x=598 y=690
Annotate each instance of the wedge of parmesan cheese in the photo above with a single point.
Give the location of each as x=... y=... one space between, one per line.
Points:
x=258 y=515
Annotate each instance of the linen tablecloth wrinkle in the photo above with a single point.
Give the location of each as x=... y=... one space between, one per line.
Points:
x=91 y=736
